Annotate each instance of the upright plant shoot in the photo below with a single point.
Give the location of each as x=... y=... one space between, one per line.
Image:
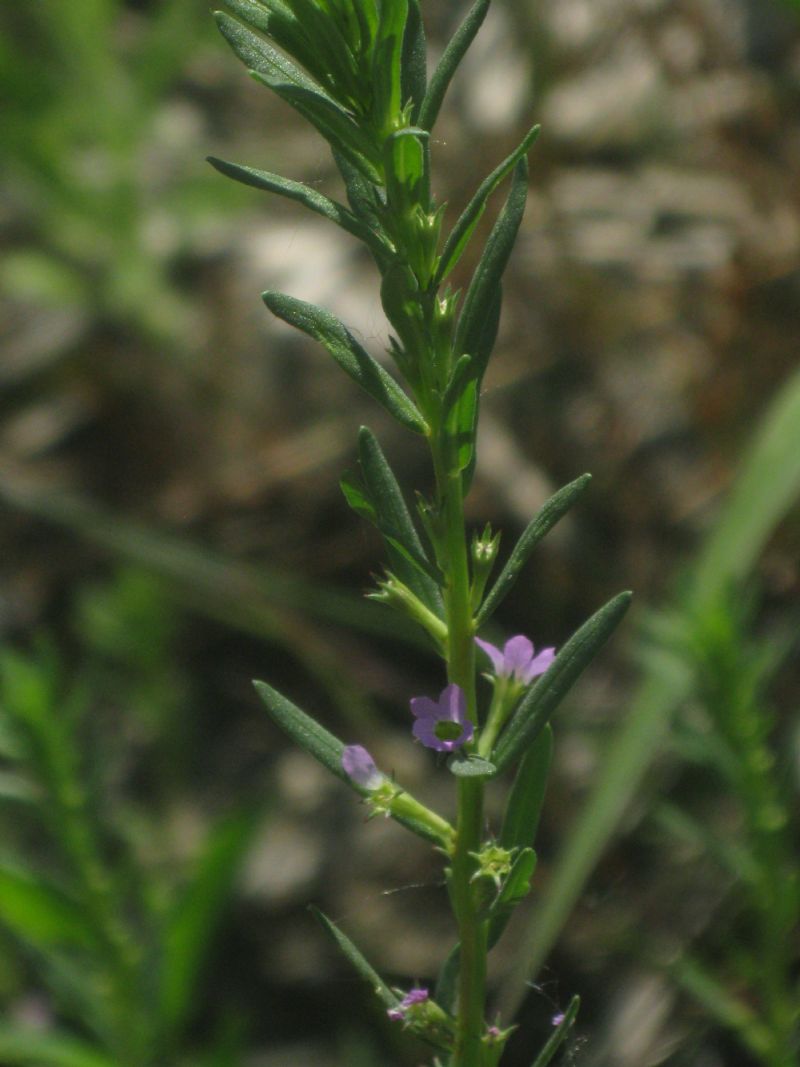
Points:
x=357 y=71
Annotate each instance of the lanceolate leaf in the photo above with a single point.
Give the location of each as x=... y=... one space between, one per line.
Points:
x=448 y=64
x=387 y=63
x=39 y=914
x=413 y=65
x=489 y=272
x=324 y=747
x=471 y=216
x=544 y=520
x=527 y=794
x=349 y=354
x=471 y=398
x=303 y=194
x=513 y=890
x=395 y=522
x=368 y=973
x=544 y=697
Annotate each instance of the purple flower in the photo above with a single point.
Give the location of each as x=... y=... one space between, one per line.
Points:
x=442 y=724
x=558 y=1019
x=417 y=995
x=516 y=660
x=360 y=766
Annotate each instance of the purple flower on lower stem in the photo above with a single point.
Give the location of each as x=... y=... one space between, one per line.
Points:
x=442 y=724
x=516 y=659
x=417 y=995
x=360 y=767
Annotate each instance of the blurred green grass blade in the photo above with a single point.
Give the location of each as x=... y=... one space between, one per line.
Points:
x=526 y=796
x=545 y=519
x=28 y=1048
x=465 y=226
x=39 y=914
x=451 y=58
x=195 y=914
x=297 y=191
x=767 y=484
x=559 y=1036
x=766 y=487
x=543 y=698
x=349 y=354
x=359 y=963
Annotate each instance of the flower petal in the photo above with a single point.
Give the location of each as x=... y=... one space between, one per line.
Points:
x=453 y=704
x=424 y=708
x=540 y=664
x=517 y=653
x=360 y=766
x=494 y=654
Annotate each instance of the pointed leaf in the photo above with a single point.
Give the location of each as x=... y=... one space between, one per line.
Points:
x=396 y=524
x=387 y=63
x=324 y=747
x=545 y=519
x=368 y=973
x=414 y=62
x=514 y=889
x=195 y=914
x=559 y=1035
x=489 y=272
x=527 y=794
x=303 y=194
x=348 y=353
x=471 y=216
x=450 y=61
x=543 y=698
x=484 y=343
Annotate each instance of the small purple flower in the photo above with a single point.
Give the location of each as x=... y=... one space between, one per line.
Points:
x=417 y=995
x=516 y=659
x=443 y=724
x=360 y=766
x=558 y=1019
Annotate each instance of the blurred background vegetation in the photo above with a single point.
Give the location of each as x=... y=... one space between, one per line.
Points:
x=171 y=526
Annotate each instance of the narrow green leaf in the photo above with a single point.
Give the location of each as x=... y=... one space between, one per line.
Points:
x=513 y=890
x=261 y=58
x=527 y=793
x=450 y=61
x=38 y=913
x=387 y=77
x=484 y=343
x=470 y=767
x=348 y=353
x=559 y=1035
x=414 y=62
x=405 y=156
x=446 y=994
x=195 y=914
x=324 y=747
x=489 y=272
x=462 y=372
x=462 y=421
x=395 y=523
x=349 y=950
x=472 y=214
x=361 y=194
x=543 y=698
x=292 y=190
x=30 y=1048
x=545 y=519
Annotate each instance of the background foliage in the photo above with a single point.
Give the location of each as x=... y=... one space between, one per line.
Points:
x=171 y=527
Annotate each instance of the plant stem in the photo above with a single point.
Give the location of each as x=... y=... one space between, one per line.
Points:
x=468 y=1050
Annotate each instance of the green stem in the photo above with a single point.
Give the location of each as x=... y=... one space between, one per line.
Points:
x=468 y=1050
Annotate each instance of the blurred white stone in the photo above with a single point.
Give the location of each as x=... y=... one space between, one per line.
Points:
x=495 y=77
